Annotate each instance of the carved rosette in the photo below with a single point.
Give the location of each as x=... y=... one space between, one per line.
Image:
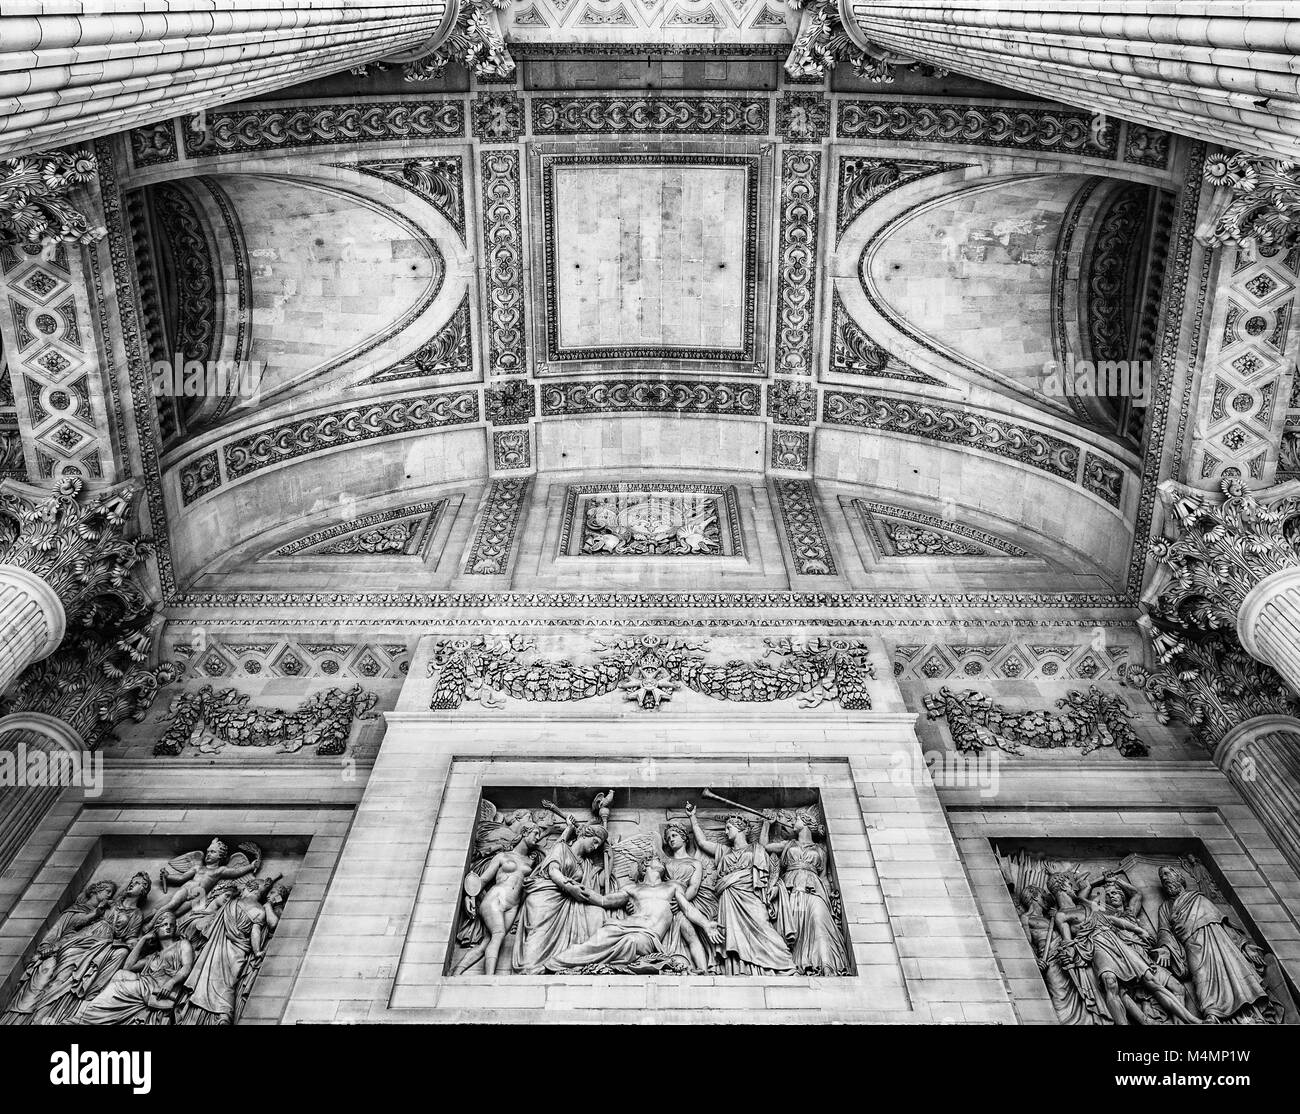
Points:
x=34 y=204
x=1256 y=201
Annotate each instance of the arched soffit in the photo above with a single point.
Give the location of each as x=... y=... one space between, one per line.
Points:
x=962 y=277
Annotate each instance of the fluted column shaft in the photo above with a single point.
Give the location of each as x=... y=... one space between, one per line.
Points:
x=32 y=621
x=41 y=756
x=1262 y=759
x=67 y=77
x=1214 y=69
x=1268 y=624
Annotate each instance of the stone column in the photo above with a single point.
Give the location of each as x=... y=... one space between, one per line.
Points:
x=1262 y=759
x=1224 y=72
x=32 y=621
x=46 y=756
x=63 y=560
x=1268 y=623
x=67 y=76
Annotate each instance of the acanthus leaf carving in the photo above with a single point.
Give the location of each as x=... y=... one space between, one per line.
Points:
x=34 y=204
x=1256 y=203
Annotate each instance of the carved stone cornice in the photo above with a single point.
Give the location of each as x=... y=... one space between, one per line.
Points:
x=1207 y=682
x=1256 y=201
x=1221 y=549
x=34 y=204
x=822 y=41
x=76 y=545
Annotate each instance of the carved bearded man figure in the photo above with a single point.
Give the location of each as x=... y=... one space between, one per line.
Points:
x=1194 y=937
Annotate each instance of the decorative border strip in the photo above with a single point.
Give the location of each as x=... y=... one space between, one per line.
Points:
x=1059 y=131
x=490 y=553
x=660 y=115
x=648 y=396
x=868 y=510
x=796 y=290
x=503 y=250
x=861 y=181
x=434 y=511
x=855 y=353
x=273 y=128
x=352 y=425
x=797 y=502
x=439 y=180
x=751 y=164
x=967 y=428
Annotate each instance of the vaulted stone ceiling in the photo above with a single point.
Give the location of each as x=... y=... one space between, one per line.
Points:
x=463 y=303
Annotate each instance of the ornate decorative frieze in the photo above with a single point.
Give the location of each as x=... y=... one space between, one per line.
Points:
x=1088 y=721
x=291 y=440
x=967 y=428
x=220 y=131
x=153 y=144
x=34 y=203
x=438 y=179
x=658 y=115
x=649 y=669
x=796 y=500
x=208 y=721
x=1138 y=937
x=683 y=396
x=503 y=247
x=211 y=656
x=1146 y=146
x=194 y=272
x=448 y=352
x=864 y=179
x=855 y=353
x=796 y=289
x=1059 y=131
x=803 y=117
x=405 y=531
x=791 y=402
x=503 y=508
x=1101 y=658
x=1256 y=201
x=902 y=532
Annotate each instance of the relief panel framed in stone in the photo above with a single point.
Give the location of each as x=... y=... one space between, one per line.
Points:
x=1143 y=932
x=650 y=520
x=637 y=881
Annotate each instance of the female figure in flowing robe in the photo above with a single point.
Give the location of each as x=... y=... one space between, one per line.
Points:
x=802 y=900
x=555 y=914
x=87 y=960
x=143 y=991
x=490 y=919
x=750 y=944
x=688 y=872
x=237 y=935
x=37 y=975
x=1194 y=938
x=627 y=942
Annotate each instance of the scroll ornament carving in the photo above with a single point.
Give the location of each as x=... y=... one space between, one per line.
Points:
x=1221 y=551
x=189 y=956
x=1256 y=203
x=1089 y=721
x=208 y=721
x=821 y=42
x=34 y=203
x=77 y=546
x=649 y=670
x=1147 y=941
x=677 y=896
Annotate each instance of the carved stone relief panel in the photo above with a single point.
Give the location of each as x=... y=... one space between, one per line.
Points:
x=1142 y=934
x=156 y=932
x=650 y=881
x=651 y=520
